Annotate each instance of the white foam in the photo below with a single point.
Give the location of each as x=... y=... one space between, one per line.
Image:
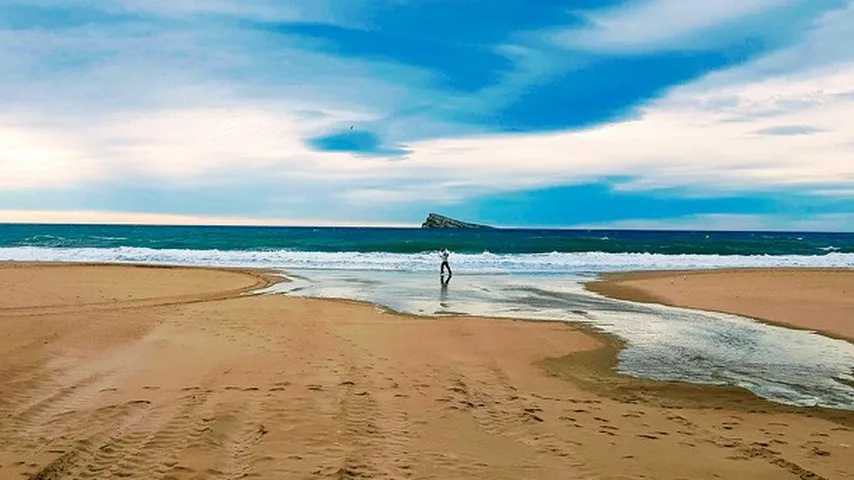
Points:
x=463 y=263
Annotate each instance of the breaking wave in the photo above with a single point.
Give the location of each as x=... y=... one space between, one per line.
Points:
x=486 y=262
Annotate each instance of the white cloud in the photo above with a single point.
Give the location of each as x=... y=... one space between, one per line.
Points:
x=180 y=105
x=700 y=139
x=32 y=159
x=643 y=25
x=140 y=218
x=190 y=145
x=691 y=139
x=179 y=145
x=824 y=45
x=155 y=106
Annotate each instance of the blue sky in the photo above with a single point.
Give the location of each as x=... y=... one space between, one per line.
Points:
x=637 y=114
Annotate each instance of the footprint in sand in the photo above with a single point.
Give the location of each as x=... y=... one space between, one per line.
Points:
x=820 y=452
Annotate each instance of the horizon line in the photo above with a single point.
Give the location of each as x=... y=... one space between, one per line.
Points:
x=414 y=226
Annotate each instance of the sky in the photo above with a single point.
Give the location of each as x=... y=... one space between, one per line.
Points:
x=605 y=114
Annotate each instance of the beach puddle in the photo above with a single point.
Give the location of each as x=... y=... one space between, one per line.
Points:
x=661 y=343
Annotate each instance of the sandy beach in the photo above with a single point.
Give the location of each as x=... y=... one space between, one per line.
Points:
x=814 y=299
x=182 y=373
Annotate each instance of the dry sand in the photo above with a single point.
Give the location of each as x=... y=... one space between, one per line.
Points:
x=813 y=299
x=130 y=372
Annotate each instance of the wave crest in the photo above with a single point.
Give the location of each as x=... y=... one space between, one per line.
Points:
x=554 y=262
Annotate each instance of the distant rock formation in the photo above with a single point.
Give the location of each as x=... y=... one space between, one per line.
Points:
x=434 y=220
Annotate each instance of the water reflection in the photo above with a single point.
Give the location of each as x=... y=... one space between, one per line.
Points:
x=443 y=291
x=664 y=343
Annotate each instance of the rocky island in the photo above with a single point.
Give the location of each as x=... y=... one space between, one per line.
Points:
x=434 y=220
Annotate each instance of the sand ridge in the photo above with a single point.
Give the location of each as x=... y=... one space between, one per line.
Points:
x=279 y=387
x=74 y=287
x=814 y=299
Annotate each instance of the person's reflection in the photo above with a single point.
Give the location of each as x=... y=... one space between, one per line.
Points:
x=443 y=291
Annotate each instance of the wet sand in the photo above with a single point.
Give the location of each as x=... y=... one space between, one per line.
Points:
x=814 y=299
x=137 y=372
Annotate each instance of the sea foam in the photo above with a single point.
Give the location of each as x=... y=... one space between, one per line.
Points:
x=555 y=262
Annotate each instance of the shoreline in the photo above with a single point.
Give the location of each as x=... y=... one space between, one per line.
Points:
x=595 y=371
x=263 y=279
x=306 y=387
x=762 y=294
x=609 y=382
x=601 y=362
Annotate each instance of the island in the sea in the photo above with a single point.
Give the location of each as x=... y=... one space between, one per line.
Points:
x=434 y=220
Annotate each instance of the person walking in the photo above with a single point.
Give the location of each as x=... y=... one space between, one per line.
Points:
x=444 y=254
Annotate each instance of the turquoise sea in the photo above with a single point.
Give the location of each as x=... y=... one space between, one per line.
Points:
x=411 y=249
x=414 y=240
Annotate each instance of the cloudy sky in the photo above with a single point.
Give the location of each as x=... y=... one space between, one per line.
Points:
x=638 y=113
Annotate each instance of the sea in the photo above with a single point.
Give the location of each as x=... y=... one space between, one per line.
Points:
x=515 y=273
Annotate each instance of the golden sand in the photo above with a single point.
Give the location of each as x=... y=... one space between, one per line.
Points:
x=813 y=299
x=155 y=373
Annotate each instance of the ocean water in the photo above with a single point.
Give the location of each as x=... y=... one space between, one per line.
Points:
x=413 y=240
x=399 y=249
x=520 y=274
